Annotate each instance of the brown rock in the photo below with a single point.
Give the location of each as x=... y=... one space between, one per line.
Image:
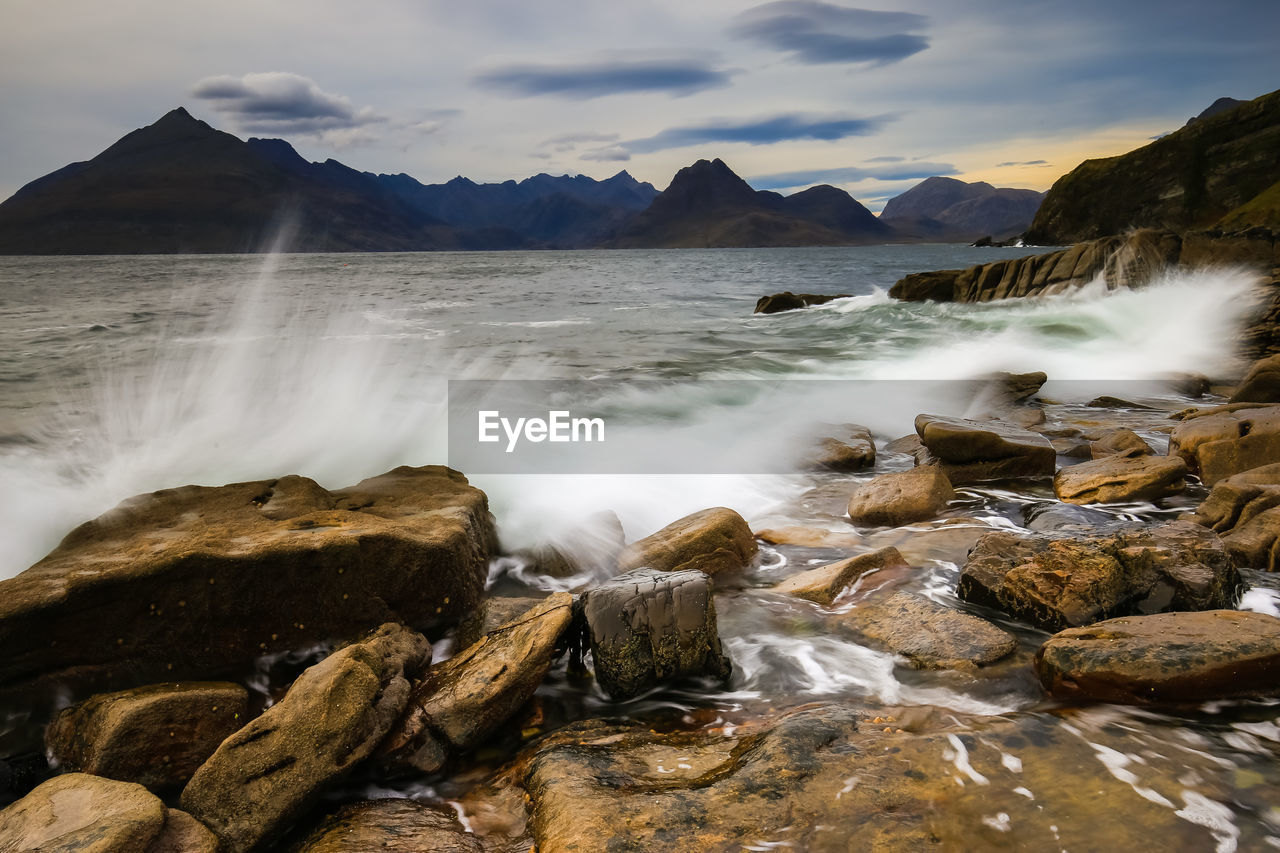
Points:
x=265 y=775
x=1224 y=443
x=850 y=449
x=1119 y=442
x=808 y=537
x=1261 y=384
x=788 y=301
x=1245 y=510
x=939 y=286
x=1166 y=657
x=972 y=451
x=823 y=584
x=1121 y=478
x=492 y=614
x=395 y=826
x=709 y=541
x=79 y=813
x=901 y=498
x=183 y=834
x=156 y=735
x=931 y=635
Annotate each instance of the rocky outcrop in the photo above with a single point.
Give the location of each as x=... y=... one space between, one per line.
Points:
x=787 y=301
x=1121 y=478
x=973 y=451
x=1166 y=657
x=930 y=635
x=1221 y=443
x=333 y=717
x=901 y=498
x=156 y=736
x=79 y=813
x=647 y=627
x=710 y=541
x=849 y=447
x=1245 y=511
x=393 y=826
x=1261 y=384
x=1066 y=583
x=823 y=584
x=467 y=697
x=188 y=582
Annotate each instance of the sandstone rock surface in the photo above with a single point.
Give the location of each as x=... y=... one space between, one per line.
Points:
x=709 y=541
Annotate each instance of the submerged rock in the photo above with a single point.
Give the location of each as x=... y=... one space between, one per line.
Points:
x=901 y=498
x=709 y=541
x=935 y=286
x=187 y=582
x=1245 y=510
x=395 y=826
x=467 y=697
x=647 y=627
x=973 y=451
x=265 y=775
x=1165 y=657
x=1061 y=583
x=931 y=635
x=1220 y=444
x=156 y=735
x=79 y=813
x=1121 y=478
x=788 y=301
x=823 y=584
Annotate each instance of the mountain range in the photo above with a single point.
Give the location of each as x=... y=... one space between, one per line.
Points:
x=180 y=185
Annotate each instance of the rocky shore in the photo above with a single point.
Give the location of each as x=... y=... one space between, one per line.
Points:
x=276 y=666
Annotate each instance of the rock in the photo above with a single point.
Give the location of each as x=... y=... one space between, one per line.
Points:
x=1022 y=386
x=593 y=544
x=788 y=301
x=930 y=635
x=183 y=834
x=1106 y=401
x=972 y=451
x=949 y=540
x=396 y=826
x=901 y=498
x=710 y=541
x=1119 y=442
x=809 y=537
x=1219 y=444
x=823 y=584
x=907 y=445
x=492 y=614
x=466 y=698
x=156 y=735
x=1261 y=384
x=265 y=775
x=938 y=286
x=1054 y=517
x=1245 y=510
x=1066 y=583
x=647 y=627
x=852 y=450
x=1121 y=478
x=79 y=813
x=1165 y=657
x=189 y=582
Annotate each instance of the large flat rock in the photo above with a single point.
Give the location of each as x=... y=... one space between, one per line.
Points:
x=190 y=582
x=79 y=813
x=1114 y=479
x=929 y=634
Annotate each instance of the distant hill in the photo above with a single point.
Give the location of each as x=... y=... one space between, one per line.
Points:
x=949 y=209
x=708 y=206
x=1219 y=106
x=1220 y=169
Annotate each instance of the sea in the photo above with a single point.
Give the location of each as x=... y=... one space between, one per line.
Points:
x=127 y=374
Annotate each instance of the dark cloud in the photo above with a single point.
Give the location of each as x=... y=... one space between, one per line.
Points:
x=609 y=154
x=849 y=174
x=1022 y=163
x=886 y=159
x=816 y=32
x=280 y=102
x=580 y=81
x=760 y=131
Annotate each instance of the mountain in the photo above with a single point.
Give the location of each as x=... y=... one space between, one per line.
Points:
x=950 y=209
x=708 y=206
x=1218 y=169
x=1219 y=106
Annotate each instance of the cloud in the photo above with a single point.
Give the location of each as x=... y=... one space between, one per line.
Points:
x=886 y=159
x=570 y=141
x=1022 y=163
x=279 y=102
x=676 y=77
x=759 y=131
x=814 y=32
x=849 y=174
x=612 y=153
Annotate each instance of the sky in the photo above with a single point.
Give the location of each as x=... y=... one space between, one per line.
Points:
x=868 y=96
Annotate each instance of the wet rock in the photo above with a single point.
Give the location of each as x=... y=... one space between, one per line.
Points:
x=265 y=775
x=79 y=813
x=593 y=544
x=1106 y=401
x=930 y=635
x=492 y=614
x=465 y=699
x=936 y=286
x=1119 y=442
x=187 y=582
x=1054 y=517
x=949 y=540
x=809 y=537
x=709 y=541
x=1022 y=386
x=396 y=826
x=788 y=301
x=1166 y=657
x=1223 y=443
x=901 y=498
x=972 y=451
x=1121 y=478
x=1061 y=583
x=1072 y=448
x=823 y=584
x=908 y=445
x=156 y=735
x=647 y=627
x=183 y=834
x=850 y=449
x=1245 y=511
x=1261 y=384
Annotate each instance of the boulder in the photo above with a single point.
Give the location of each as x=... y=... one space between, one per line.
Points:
x=1261 y=384
x=466 y=698
x=788 y=301
x=493 y=613
x=823 y=584
x=1218 y=444
x=972 y=451
x=901 y=498
x=79 y=813
x=648 y=626
x=593 y=544
x=1119 y=442
x=155 y=735
x=183 y=834
x=1021 y=386
x=930 y=635
x=935 y=286
x=1165 y=657
x=851 y=449
x=710 y=541
x=1244 y=510
x=1066 y=583
x=192 y=582
x=265 y=775
x=1115 y=479
x=394 y=826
